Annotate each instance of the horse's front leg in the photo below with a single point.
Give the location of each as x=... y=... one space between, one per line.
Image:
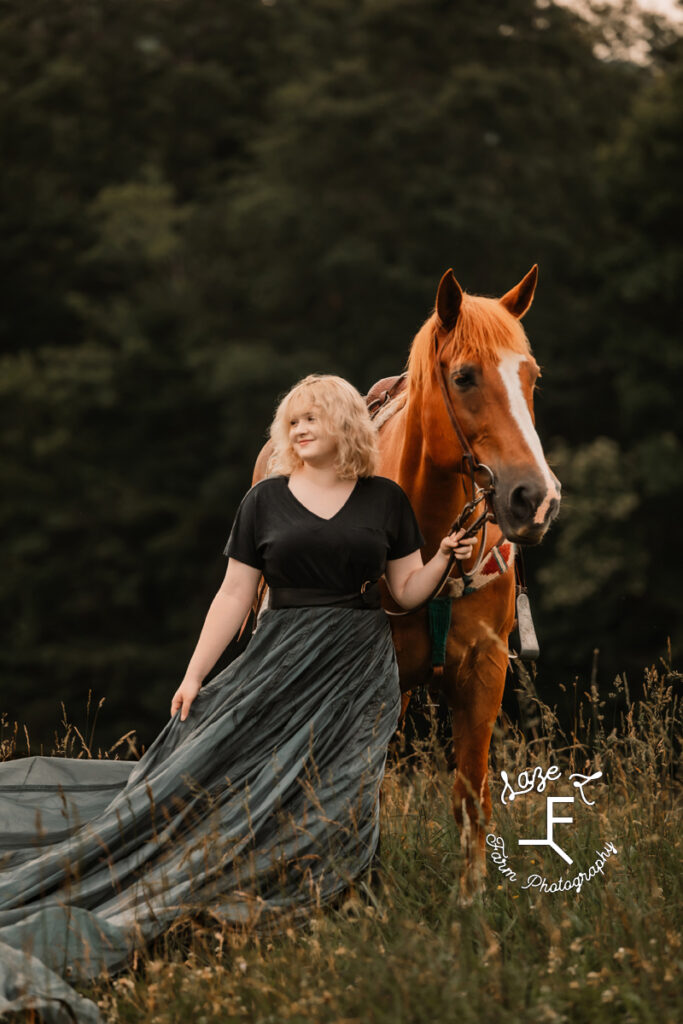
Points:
x=474 y=682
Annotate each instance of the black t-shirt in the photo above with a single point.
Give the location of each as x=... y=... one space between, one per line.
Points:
x=293 y=547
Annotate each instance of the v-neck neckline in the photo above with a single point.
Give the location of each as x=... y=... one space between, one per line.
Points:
x=315 y=515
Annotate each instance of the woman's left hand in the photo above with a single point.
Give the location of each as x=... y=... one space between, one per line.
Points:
x=411 y=582
x=461 y=546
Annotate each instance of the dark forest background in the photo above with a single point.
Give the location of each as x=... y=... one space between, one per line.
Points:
x=202 y=201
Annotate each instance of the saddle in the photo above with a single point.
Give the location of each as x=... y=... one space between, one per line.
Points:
x=384 y=391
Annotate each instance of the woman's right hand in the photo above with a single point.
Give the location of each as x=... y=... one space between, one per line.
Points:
x=184 y=696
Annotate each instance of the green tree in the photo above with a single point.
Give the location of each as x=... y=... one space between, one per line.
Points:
x=203 y=201
x=615 y=565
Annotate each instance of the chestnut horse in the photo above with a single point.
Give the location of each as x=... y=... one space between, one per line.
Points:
x=479 y=347
x=488 y=375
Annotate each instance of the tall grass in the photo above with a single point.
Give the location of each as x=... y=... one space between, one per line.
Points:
x=403 y=946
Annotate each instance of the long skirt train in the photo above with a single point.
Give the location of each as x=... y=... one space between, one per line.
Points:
x=264 y=800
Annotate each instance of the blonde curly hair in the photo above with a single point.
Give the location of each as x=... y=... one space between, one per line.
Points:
x=343 y=413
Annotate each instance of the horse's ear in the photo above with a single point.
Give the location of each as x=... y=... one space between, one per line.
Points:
x=519 y=298
x=448 y=300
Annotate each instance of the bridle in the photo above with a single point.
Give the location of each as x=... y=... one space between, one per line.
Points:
x=470 y=464
x=470 y=467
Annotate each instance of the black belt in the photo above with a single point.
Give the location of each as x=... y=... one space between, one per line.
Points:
x=304 y=597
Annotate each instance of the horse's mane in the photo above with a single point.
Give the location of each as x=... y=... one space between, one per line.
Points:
x=483 y=331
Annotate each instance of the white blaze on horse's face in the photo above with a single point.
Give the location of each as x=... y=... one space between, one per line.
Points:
x=508 y=368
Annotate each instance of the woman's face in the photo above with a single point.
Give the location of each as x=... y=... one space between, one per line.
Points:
x=309 y=438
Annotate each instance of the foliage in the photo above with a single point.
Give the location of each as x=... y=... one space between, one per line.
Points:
x=615 y=564
x=202 y=201
x=404 y=945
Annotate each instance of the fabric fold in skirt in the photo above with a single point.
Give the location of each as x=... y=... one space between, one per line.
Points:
x=265 y=799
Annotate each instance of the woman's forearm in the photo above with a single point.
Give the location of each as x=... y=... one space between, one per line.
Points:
x=421 y=582
x=225 y=616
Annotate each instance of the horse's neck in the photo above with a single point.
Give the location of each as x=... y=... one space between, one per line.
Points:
x=437 y=498
x=437 y=495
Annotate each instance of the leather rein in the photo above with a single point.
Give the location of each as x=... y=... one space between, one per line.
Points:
x=470 y=467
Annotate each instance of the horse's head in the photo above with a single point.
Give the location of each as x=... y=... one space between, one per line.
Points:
x=488 y=377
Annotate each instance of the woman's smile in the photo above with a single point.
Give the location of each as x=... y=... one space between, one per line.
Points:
x=308 y=435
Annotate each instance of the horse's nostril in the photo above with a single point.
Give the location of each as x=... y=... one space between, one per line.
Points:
x=520 y=503
x=524 y=502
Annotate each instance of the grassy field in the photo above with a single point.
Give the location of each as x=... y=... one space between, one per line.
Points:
x=404 y=946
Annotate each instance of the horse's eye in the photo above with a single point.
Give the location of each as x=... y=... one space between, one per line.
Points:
x=463 y=379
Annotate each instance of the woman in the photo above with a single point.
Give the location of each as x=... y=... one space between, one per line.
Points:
x=322 y=530
x=261 y=792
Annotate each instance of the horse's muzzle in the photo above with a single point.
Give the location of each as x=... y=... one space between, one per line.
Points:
x=525 y=508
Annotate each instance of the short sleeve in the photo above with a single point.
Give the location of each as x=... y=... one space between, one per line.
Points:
x=242 y=542
x=405 y=535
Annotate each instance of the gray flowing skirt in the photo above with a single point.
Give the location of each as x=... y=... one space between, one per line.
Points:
x=265 y=800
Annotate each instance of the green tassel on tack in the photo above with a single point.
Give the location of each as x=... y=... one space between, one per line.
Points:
x=439 y=612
